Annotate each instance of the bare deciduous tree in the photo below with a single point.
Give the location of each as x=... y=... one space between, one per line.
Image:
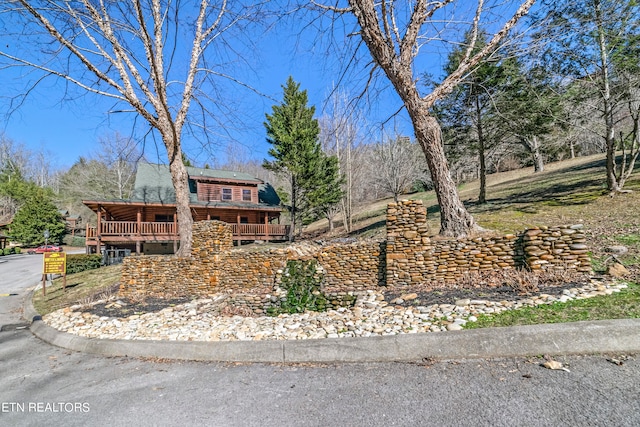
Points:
x=148 y=55
x=398 y=165
x=120 y=155
x=341 y=136
x=395 y=34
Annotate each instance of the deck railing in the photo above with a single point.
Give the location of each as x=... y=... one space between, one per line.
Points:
x=260 y=230
x=167 y=229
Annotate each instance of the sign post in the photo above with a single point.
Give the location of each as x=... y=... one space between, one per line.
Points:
x=54 y=263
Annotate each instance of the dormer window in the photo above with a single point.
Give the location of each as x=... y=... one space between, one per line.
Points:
x=227 y=194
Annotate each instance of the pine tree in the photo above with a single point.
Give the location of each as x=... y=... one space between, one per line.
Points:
x=37 y=214
x=326 y=195
x=469 y=115
x=293 y=133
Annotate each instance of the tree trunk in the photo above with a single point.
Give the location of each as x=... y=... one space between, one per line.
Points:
x=179 y=178
x=572 y=149
x=294 y=195
x=538 y=161
x=533 y=145
x=482 y=196
x=455 y=220
x=612 y=182
x=347 y=199
x=612 y=179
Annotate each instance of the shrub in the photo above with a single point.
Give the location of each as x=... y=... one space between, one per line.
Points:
x=81 y=262
x=75 y=241
x=8 y=251
x=302 y=282
x=17 y=250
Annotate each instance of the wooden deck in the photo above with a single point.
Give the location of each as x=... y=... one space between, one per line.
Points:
x=112 y=232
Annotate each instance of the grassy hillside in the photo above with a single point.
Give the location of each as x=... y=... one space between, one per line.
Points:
x=572 y=191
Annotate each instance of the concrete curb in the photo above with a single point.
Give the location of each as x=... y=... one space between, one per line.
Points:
x=605 y=336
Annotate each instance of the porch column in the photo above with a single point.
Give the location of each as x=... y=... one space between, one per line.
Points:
x=266 y=226
x=139 y=229
x=99 y=224
x=175 y=232
x=99 y=230
x=238 y=225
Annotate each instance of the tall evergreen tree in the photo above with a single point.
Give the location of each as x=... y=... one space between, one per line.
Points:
x=293 y=133
x=328 y=191
x=530 y=109
x=37 y=214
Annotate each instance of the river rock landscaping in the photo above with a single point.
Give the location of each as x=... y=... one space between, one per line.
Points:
x=374 y=313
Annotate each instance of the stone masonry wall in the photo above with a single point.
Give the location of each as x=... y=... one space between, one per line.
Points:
x=250 y=279
x=407 y=257
x=413 y=257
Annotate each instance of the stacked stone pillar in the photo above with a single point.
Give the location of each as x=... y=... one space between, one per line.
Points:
x=558 y=248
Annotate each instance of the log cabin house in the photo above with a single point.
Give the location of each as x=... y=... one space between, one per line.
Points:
x=147 y=223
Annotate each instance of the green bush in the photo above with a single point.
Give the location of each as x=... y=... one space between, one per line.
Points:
x=8 y=251
x=81 y=262
x=75 y=241
x=17 y=250
x=302 y=281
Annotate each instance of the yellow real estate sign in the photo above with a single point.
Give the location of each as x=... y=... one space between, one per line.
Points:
x=55 y=263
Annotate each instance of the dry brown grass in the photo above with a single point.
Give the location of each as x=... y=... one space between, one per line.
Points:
x=82 y=288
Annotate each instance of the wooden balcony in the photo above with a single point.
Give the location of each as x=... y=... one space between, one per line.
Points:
x=112 y=232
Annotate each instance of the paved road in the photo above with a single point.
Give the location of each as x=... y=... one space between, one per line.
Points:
x=17 y=274
x=126 y=391
x=44 y=385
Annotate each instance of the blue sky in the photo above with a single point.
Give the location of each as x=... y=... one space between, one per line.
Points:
x=67 y=129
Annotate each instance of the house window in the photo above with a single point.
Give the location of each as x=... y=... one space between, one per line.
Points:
x=163 y=218
x=244 y=220
x=227 y=194
x=246 y=195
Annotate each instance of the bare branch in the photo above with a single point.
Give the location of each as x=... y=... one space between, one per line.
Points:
x=451 y=80
x=474 y=32
x=63 y=76
x=331 y=8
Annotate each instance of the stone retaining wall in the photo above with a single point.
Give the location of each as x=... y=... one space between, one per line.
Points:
x=413 y=257
x=409 y=256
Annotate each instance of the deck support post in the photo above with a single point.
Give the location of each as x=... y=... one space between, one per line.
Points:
x=138 y=230
x=266 y=226
x=239 y=230
x=175 y=232
x=98 y=229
